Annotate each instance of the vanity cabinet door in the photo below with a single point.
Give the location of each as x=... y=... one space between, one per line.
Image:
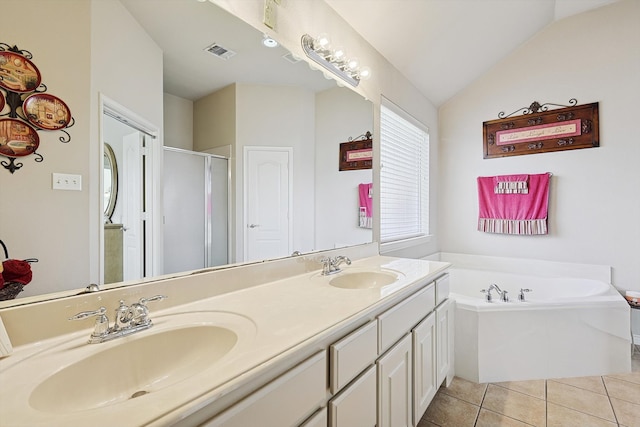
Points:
x=356 y=404
x=425 y=383
x=286 y=401
x=444 y=341
x=395 y=386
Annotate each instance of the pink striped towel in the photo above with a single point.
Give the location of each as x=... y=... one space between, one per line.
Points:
x=513 y=204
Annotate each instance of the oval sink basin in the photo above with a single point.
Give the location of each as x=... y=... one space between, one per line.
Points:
x=363 y=280
x=132 y=367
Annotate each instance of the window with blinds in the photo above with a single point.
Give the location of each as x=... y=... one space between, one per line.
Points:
x=404 y=175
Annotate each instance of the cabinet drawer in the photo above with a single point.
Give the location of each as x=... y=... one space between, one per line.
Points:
x=352 y=354
x=395 y=322
x=286 y=401
x=442 y=289
x=319 y=419
x=356 y=404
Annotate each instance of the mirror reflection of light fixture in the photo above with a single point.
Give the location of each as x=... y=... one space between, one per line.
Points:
x=335 y=59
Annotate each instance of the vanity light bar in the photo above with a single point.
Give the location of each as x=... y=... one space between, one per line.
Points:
x=336 y=65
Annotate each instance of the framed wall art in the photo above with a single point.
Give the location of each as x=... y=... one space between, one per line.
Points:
x=357 y=154
x=540 y=130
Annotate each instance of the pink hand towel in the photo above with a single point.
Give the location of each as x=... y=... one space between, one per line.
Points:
x=516 y=212
x=366 y=205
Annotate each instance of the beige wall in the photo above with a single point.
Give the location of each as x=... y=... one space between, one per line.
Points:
x=279 y=116
x=214 y=119
x=295 y=18
x=178 y=122
x=36 y=221
x=340 y=114
x=83 y=58
x=594 y=202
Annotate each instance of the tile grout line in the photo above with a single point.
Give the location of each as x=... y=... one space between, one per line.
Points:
x=576 y=410
x=546 y=404
x=481 y=403
x=615 y=416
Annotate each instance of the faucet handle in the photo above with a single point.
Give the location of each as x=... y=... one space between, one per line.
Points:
x=140 y=311
x=521 y=294
x=154 y=298
x=84 y=314
x=101 y=327
x=488 y=292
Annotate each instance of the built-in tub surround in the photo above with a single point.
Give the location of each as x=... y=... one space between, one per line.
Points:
x=569 y=325
x=267 y=325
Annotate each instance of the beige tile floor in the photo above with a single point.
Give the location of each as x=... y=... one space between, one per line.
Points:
x=612 y=400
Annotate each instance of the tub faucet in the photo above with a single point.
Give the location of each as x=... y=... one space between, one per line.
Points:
x=332 y=265
x=489 y=297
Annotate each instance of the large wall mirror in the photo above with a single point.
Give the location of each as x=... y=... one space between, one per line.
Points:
x=255 y=98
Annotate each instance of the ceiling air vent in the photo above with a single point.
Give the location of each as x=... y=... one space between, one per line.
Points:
x=291 y=58
x=219 y=51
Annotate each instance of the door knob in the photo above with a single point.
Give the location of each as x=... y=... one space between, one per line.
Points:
x=253 y=225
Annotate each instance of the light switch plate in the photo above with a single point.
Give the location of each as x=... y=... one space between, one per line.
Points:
x=67 y=181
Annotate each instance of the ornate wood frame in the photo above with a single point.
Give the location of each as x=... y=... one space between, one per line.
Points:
x=356 y=154
x=540 y=130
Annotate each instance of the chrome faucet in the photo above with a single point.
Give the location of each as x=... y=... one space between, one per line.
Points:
x=128 y=320
x=503 y=294
x=332 y=265
x=521 y=297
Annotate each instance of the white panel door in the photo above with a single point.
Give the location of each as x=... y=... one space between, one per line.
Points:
x=267 y=202
x=395 y=386
x=132 y=213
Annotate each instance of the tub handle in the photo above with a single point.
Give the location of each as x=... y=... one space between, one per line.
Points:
x=488 y=294
x=521 y=295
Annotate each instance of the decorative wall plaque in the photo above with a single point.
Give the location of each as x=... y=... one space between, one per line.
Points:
x=30 y=110
x=357 y=154
x=540 y=130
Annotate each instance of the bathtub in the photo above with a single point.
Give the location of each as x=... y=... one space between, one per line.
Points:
x=567 y=327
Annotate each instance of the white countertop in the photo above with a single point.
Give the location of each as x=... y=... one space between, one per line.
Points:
x=281 y=318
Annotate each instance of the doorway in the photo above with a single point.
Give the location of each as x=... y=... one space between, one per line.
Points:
x=128 y=239
x=268 y=202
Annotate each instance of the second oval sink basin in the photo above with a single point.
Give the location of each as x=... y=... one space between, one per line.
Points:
x=133 y=366
x=363 y=280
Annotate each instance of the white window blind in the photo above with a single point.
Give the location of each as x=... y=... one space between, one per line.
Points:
x=404 y=176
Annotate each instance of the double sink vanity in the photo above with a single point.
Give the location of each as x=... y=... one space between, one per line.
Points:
x=276 y=343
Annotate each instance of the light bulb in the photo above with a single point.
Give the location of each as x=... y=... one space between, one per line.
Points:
x=352 y=64
x=365 y=73
x=338 y=54
x=322 y=42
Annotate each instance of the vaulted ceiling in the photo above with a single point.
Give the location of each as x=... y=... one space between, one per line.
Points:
x=442 y=46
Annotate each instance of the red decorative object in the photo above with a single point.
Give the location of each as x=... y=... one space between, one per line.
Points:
x=17 y=138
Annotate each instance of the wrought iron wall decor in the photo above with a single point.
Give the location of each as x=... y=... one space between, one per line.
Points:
x=30 y=109
x=541 y=130
x=357 y=153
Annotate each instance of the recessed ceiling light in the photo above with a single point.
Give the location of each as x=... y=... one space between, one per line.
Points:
x=269 y=42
